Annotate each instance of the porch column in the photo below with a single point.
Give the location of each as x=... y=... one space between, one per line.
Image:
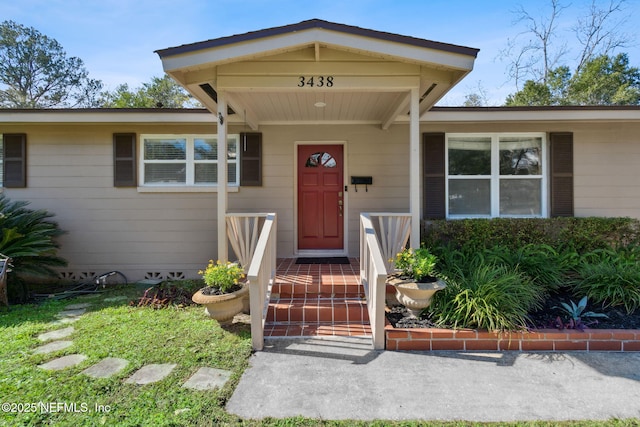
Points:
x=414 y=168
x=222 y=178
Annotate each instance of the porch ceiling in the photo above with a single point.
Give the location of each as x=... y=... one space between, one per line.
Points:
x=359 y=76
x=273 y=107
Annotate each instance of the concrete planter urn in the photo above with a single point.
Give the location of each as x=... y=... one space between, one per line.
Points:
x=222 y=307
x=221 y=297
x=416 y=296
x=416 y=280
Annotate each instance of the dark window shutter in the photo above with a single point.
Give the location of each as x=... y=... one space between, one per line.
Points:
x=124 y=160
x=14 y=156
x=250 y=159
x=434 y=175
x=561 y=174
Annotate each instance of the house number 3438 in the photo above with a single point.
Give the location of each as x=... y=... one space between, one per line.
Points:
x=315 y=81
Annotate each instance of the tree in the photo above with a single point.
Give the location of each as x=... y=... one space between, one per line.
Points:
x=553 y=92
x=536 y=56
x=598 y=77
x=159 y=93
x=603 y=80
x=35 y=72
x=533 y=93
x=477 y=98
x=596 y=36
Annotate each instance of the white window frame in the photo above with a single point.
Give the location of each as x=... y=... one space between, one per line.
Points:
x=190 y=162
x=495 y=176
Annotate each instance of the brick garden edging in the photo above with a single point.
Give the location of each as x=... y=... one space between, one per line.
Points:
x=431 y=339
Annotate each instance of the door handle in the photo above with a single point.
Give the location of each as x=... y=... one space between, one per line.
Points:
x=339 y=207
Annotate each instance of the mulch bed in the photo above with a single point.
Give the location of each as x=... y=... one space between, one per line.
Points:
x=617 y=318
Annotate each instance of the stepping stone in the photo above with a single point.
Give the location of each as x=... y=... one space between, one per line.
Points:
x=151 y=373
x=106 y=367
x=114 y=299
x=207 y=379
x=63 y=362
x=65 y=321
x=56 y=335
x=78 y=306
x=52 y=346
x=72 y=313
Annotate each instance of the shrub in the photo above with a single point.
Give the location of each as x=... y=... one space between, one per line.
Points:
x=418 y=264
x=222 y=276
x=581 y=235
x=28 y=237
x=492 y=297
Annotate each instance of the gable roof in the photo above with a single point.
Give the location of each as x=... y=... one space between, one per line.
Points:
x=373 y=72
x=316 y=23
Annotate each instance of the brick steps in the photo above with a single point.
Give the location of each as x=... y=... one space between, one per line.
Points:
x=310 y=309
x=317 y=329
x=316 y=301
x=319 y=289
x=317 y=316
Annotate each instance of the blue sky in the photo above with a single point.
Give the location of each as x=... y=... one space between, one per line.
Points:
x=116 y=39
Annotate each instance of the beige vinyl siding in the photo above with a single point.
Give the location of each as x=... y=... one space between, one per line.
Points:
x=142 y=234
x=607 y=171
x=275 y=194
x=70 y=173
x=383 y=155
x=369 y=151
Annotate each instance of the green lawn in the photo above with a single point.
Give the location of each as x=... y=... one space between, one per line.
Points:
x=142 y=335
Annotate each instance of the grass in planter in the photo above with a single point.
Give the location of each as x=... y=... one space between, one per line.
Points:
x=545 y=266
x=610 y=277
x=141 y=335
x=488 y=296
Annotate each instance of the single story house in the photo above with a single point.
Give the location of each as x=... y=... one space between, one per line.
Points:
x=320 y=122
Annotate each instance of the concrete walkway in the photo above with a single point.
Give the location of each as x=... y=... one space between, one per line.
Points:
x=346 y=379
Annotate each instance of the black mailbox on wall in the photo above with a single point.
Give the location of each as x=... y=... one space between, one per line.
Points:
x=362 y=180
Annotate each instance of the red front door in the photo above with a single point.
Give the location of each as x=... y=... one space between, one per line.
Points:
x=320 y=197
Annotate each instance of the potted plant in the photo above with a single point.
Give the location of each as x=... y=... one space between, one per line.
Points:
x=222 y=296
x=415 y=279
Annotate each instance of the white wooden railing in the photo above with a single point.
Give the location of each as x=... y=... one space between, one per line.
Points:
x=373 y=275
x=243 y=230
x=394 y=230
x=261 y=276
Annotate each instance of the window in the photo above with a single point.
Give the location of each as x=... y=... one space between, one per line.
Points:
x=185 y=160
x=13 y=159
x=490 y=175
x=1 y=162
x=321 y=159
